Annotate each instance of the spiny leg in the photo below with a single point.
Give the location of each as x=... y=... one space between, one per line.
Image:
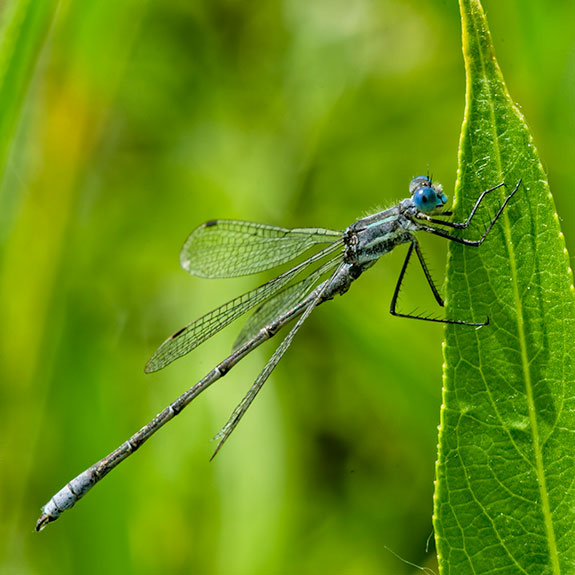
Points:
x=438 y=298
x=465 y=224
x=427 y=273
x=448 y=236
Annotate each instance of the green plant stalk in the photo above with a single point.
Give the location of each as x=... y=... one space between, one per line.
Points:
x=23 y=30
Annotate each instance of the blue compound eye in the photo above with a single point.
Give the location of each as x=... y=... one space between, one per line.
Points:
x=426 y=200
x=419 y=182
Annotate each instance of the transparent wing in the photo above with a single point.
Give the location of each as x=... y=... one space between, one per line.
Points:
x=195 y=333
x=228 y=248
x=280 y=303
x=241 y=409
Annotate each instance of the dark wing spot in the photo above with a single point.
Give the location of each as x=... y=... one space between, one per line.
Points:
x=179 y=332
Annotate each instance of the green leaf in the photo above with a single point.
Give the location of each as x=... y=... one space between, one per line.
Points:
x=505 y=495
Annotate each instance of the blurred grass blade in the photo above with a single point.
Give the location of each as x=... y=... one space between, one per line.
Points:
x=24 y=26
x=505 y=493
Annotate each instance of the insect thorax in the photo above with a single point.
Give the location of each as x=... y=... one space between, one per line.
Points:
x=369 y=243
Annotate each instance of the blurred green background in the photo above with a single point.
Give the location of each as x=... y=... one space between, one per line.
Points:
x=124 y=126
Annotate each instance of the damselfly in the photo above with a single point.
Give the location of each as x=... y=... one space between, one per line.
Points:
x=225 y=248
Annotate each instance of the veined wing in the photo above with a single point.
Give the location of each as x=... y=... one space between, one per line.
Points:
x=243 y=406
x=195 y=333
x=229 y=248
x=280 y=303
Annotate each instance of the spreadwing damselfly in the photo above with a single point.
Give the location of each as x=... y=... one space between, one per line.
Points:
x=227 y=248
